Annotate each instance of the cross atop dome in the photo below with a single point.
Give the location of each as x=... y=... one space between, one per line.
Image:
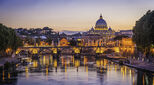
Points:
x=101 y=16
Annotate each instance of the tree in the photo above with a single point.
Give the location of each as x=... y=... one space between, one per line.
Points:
x=29 y=40
x=73 y=42
x=119 y=37
x=49 y=40
x=143 y=32
x=38 y=40
x=8 y=39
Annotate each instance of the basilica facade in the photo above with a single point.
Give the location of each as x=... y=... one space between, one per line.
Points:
x=100 y=35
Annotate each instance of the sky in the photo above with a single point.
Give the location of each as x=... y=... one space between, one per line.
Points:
x=73 y=15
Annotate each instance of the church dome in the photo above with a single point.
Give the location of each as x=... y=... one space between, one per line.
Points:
x=101 y=23
x=110 y=29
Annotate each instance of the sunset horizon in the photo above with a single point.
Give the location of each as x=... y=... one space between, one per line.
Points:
x=71 y=15
x=77 y=28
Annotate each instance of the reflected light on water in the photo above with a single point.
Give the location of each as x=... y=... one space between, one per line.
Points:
x=68 y=70
x=77 y=63
x=26 y=72
x=35 y=63
x=3 y=74
x=153 y=80
x=9 y=75
x=55 y=63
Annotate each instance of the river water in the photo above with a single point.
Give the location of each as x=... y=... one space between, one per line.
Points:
x=87 y=70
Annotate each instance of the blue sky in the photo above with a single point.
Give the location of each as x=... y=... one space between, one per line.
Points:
x=79 y=15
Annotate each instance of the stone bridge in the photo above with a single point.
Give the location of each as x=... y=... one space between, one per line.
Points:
x=64 y=49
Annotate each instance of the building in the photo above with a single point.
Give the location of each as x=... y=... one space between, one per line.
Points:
x=127 y=46
x=100 y=35
x=64 y=42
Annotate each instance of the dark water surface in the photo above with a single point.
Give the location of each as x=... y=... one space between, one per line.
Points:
x=68 y=70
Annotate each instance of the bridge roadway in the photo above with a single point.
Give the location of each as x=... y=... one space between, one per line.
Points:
x=64 y=46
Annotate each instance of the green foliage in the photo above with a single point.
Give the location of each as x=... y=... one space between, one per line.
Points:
x=73 y=42
x=29 y=40
x=49 y=40
x=8 y=39
x=144 y=32
x=119 y=37
x=38 y=40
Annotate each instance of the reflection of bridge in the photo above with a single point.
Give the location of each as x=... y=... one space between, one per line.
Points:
x=65 y=49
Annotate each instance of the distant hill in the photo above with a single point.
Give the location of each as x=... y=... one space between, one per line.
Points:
x=70 y=32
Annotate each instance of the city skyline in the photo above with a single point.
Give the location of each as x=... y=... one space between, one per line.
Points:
x=77 y=42
x=73 y=15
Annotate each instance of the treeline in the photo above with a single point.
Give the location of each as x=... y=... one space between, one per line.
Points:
x=31 y=41
x=9 y=41
x=144 y=33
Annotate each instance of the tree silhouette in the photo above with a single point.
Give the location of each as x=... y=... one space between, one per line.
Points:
x=144 y=32
x=8 y=39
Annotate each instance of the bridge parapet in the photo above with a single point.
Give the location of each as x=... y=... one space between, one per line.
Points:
x=76 y=49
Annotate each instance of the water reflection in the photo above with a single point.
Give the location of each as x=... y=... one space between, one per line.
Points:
x=71 y=70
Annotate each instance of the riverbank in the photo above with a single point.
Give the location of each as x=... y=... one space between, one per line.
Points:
x=3 y=60
x=141 y=65
x=137 y=64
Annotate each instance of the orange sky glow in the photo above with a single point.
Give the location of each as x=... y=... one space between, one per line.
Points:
x=73 y=15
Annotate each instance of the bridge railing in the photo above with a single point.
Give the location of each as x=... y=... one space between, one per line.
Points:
x=66 y=46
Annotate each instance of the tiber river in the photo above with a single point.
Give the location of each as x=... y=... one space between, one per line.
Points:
x=84 y=71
